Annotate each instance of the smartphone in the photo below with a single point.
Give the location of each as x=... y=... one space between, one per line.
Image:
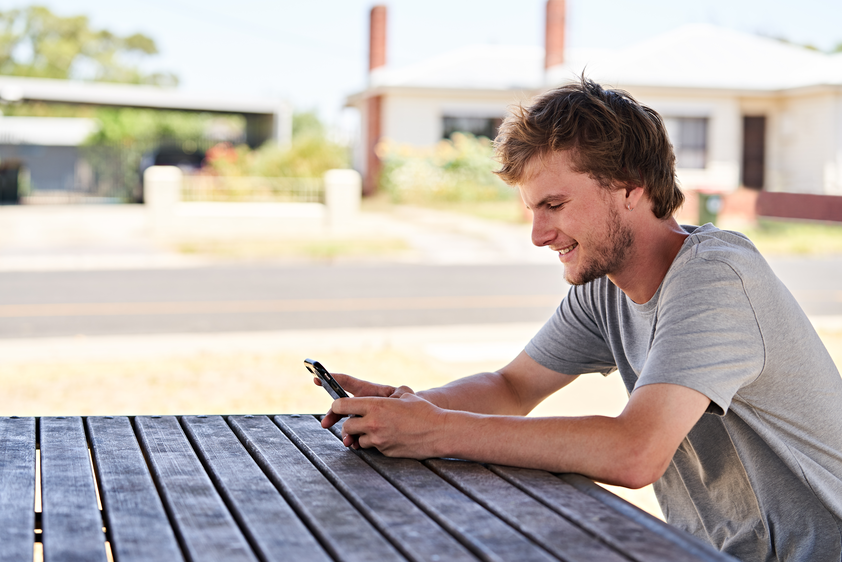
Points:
x=328 y=382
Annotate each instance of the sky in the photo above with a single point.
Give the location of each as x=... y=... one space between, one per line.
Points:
x=314 y=53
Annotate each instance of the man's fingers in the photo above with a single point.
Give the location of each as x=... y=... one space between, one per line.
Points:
x=330 y=419
x=400 y=391
x=359 y=387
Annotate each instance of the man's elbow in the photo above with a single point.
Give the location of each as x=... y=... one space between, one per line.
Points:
x=640 y=467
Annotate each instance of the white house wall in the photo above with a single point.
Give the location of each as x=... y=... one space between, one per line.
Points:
x=833 y=168
x=810 y=143
x=411 y=120
x=417 y=118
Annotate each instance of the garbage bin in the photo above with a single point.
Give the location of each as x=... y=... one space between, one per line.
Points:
x=709 y=206
x=9 y=172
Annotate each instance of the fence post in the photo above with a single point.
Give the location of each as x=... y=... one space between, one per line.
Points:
x=343 y=191
x=162 y=187
x=161 y=193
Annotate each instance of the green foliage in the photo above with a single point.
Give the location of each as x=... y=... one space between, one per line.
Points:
x=310 y=155
x=123 y=126
x=455 y=170
x=306 y=124
x=42 y=109
x=37 y=43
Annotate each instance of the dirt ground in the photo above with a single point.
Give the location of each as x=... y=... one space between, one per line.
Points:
x=248 y=382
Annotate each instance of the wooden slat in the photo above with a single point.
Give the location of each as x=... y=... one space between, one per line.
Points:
x=206 y=529
x=681 y=538
x=407 y=527
x=609 y=525
x=523 y=512
x=138 y=527
x=17 y=487
x=72 y=523
x=488 y=537
x=341 y=529
x=271 y=525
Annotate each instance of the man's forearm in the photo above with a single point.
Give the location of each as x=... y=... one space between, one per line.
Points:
x=483 y=393
x=600 y=447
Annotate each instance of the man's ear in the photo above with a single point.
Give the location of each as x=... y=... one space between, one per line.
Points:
x=634 y=193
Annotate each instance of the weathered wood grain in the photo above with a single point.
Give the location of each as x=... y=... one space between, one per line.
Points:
x=482 y=532
x=341 y=529
x=684 y=540
x=609 y=525
x=138 y=527
x=271 y=525
x=523 y=512
x=17 y=488
x=409 y=529
x=206 y=530
x=72 y=522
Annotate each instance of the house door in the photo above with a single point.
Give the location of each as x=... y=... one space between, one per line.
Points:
x=754 y=151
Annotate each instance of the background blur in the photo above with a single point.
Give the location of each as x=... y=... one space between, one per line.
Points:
x=198 y=195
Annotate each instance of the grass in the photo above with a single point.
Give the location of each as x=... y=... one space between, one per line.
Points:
x=510 y=210
x=278 y=248
x=776 y=237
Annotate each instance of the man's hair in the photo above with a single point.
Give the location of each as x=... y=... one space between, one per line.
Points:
x=612 y=138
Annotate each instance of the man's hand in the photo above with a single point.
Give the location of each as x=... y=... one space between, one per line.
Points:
x=358 y=387
x=407 y=427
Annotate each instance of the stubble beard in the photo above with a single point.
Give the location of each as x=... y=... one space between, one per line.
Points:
x=608 y=254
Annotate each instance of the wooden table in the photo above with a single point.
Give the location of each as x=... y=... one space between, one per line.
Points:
x=232 y=488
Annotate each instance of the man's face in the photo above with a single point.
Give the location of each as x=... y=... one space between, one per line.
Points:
x=576 y=217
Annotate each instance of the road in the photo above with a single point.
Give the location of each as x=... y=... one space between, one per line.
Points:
x=304 y=297
x=257 y=298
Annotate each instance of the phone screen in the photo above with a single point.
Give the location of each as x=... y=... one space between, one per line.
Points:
x=328 y=382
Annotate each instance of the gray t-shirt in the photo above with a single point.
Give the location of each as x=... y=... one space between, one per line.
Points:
x=760 y=474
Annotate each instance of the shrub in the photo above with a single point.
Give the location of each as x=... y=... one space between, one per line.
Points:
x=455 y=170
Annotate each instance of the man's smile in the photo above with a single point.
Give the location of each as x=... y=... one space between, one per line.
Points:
x=567 y=249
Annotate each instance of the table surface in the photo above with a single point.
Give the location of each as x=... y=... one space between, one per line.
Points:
x=267 y=488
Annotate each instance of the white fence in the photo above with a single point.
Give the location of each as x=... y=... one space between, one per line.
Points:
x=190 y=205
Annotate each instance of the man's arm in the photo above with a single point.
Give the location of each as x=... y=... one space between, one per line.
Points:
x=630 y=450
x=513 y=390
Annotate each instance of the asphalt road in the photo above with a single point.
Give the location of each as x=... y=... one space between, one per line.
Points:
x=231 y=299
x=258 y=298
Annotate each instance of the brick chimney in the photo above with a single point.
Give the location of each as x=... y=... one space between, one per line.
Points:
x=377 y=38
x=374 y=105
x=554 y=38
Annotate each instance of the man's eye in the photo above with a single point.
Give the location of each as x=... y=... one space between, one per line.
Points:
x=555 y=207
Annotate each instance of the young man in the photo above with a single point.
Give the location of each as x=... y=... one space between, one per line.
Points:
x=734 y=408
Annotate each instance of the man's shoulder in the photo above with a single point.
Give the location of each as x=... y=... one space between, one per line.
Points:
x=708 y=243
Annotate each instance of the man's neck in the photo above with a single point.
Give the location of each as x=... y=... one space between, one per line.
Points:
x=654 y=250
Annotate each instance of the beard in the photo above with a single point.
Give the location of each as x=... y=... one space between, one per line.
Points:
x=608 y=252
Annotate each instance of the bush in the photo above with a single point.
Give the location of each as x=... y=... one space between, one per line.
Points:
x=310 y=155
x=456 y=170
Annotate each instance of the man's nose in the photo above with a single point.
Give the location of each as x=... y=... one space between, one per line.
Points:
x=542 y=233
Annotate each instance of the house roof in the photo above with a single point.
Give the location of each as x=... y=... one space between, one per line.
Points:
x=691 y=56
x=491 y=67
x=707 y=56
x=14 y=89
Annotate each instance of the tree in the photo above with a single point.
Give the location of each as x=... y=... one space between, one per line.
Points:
x=38 y=43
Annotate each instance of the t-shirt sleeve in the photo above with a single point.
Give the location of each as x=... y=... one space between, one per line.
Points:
x=708 y=338
x=571 y=342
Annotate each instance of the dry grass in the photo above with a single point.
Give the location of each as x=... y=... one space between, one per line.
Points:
x=324 y=248
x=236 y=383
x=790 y=237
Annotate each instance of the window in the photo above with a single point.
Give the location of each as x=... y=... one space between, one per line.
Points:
x=477 y=126
x=689 y=138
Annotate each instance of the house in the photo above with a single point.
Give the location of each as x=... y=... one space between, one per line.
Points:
x=743 y=111
x=47 y=149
